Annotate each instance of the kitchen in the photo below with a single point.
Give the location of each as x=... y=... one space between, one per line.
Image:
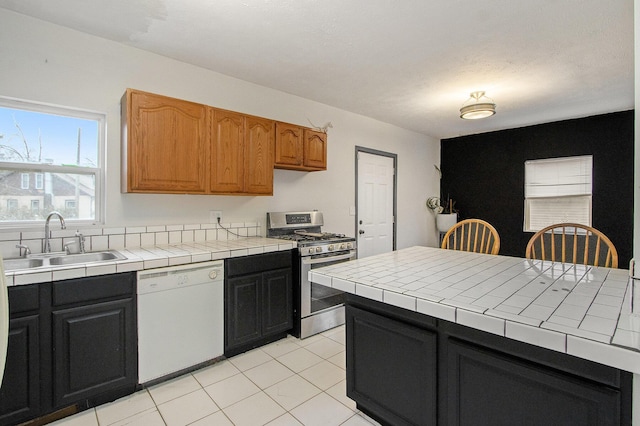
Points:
x=70 y=61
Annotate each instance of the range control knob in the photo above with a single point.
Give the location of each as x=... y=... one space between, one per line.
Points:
x=331 y=247
x=349 y=245
x=342 y=246
x=311 y=250
x=318 y=249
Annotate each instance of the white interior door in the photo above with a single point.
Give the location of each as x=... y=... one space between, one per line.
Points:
x=376 y=192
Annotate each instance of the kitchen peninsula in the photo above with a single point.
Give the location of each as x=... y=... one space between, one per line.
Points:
x=448 y=337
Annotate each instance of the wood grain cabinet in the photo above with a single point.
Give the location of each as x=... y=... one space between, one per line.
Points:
x=300 y=148
x=241 y=153
x=165 y=144
x=175 y=146
x=315 y=150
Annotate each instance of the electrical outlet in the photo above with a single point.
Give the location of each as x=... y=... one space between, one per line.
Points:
x=214 y=215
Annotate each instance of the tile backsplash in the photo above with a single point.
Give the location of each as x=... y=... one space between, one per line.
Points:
x=114 y=238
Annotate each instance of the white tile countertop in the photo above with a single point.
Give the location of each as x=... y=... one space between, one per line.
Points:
x=152 y=257
x=580 y=310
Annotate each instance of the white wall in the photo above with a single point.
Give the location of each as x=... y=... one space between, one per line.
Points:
x=636 y=198
x=47 y=63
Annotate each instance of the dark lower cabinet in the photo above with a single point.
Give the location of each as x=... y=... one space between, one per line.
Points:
x=393 y=372
x=72 y=344
x=258 y=300
x=242 y=311
x=405 y=368
x=92 y=354
x=20 y=394
x=489 y=388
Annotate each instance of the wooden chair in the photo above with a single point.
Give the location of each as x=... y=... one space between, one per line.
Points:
x=572 y=243
x=473 y=235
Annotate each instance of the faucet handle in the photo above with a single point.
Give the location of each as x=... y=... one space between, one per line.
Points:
x=81 y=239
x=27 y=250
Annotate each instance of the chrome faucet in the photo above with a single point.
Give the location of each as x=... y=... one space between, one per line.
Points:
x=47 y=243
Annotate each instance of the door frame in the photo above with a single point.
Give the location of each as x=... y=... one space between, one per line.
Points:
x=372 y=151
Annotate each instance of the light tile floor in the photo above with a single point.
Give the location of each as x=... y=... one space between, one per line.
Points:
x=289 y=382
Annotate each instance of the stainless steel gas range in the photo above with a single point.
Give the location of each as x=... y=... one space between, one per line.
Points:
x=316 y=308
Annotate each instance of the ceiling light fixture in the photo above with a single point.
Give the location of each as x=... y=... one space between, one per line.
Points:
x=477 y=106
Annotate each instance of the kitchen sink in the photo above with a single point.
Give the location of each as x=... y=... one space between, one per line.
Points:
x=70 y=259
x=59 y=259
x=12 y=264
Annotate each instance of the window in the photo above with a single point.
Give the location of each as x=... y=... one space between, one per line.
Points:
x=24 y=181
x=35 y=206
x=39 y=181
x=557 y=190
x=62 y=149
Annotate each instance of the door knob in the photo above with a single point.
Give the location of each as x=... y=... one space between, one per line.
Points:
x=361 y=232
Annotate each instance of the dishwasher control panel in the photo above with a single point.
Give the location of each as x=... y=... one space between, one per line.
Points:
x=161 y=279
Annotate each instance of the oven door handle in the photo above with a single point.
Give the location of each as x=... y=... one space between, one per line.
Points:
x=327 y=259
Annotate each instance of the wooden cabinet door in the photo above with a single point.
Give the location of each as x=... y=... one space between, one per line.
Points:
x=166 y=144
x=315 y=149
x=391 y=368
x=288 y=149
x=489 y=388
x=227 y=152
x=94 y=350
x=277 y=301
x=258 y=154
x=242 y=310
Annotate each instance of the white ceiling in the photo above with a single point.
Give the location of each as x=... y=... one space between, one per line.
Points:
x=411 y=63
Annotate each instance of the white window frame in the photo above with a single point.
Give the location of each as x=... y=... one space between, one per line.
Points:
x=37 y=203
x=39 y=178
x=24 y=180
x=558 y=190
x=98 y=172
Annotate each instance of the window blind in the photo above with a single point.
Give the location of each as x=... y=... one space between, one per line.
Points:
x=558 y=190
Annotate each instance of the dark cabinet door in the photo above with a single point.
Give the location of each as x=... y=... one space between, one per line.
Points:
x=528 y=394
x=20 y=392
x=391 y=368
x=243 y=310
x=94 y=350
x=277 y=301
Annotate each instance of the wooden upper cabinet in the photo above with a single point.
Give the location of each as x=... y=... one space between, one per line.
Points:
x=300 y=148
x=174 y=146
x=227 y=151
x=315 y=149
x=288 y=150
x=258 y=146
x=165 y=144
x=241 y=153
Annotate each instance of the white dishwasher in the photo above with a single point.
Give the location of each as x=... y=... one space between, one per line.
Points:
x=180 y=318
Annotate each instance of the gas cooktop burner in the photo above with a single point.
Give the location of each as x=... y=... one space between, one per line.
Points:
x=305 y=229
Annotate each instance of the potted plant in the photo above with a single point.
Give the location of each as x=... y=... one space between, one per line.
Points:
x=446 y=215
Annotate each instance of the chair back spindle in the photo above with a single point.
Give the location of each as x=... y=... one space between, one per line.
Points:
x=572 y=243
x=474 y=235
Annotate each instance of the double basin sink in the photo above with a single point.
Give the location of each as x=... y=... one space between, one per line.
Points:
x=60 y=259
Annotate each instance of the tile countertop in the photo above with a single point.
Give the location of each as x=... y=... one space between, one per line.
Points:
x=580 y=310
x=152 y=257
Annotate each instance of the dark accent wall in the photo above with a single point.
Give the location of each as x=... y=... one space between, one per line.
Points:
x=484 y=174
